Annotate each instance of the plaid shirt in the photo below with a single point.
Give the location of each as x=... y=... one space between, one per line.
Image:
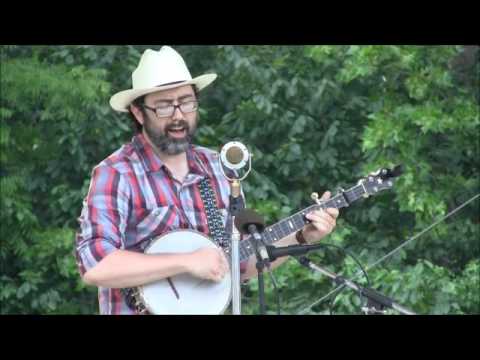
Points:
x=133 y=198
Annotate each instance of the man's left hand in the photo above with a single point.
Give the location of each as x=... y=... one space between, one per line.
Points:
x=322 y=222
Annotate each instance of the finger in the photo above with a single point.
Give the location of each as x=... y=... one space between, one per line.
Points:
x=323 y=225
x=226 y=267
x=332 y=212
x=222 y=273
x=215 y=276
x=326 y=195
x=321 y=216
x=222 y=267
x=223 y=260
x=329 y=214
x=220 y=276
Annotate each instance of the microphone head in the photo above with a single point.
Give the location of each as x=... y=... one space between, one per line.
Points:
x=234 y=155
x=248 y=217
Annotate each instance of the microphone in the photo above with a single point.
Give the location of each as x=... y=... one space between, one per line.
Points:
x=248 y=222
x=234 y=155
x=293 y=250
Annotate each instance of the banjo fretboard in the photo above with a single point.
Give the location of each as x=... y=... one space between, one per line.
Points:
x=297 y=221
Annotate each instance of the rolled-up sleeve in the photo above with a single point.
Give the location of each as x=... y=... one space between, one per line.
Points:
x=103 y=218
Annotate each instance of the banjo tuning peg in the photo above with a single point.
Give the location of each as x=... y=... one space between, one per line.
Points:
x=315 y=197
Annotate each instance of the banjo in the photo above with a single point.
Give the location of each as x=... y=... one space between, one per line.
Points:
x=184 y=294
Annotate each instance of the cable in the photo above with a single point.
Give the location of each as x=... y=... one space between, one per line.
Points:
x=362 y=299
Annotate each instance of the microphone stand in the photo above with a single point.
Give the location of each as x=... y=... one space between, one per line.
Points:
x=248 y=222
x=377 y=302
x=235 y=207
x=262 y=261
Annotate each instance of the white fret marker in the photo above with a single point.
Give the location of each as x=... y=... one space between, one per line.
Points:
x=290 y=223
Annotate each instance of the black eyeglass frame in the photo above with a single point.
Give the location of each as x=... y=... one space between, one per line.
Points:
x=175 y=107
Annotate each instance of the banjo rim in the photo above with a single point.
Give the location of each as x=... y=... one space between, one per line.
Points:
x=140 y=290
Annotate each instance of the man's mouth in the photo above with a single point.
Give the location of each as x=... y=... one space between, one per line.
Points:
x=177 y=132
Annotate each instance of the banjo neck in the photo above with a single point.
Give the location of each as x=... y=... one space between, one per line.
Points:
x=291 y=224
x=366 y=187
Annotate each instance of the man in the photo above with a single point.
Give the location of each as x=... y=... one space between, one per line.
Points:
x=150 y=187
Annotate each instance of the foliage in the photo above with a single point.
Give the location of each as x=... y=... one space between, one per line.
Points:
x=315 y=117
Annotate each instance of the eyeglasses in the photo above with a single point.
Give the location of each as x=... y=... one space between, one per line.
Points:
x=168 y=110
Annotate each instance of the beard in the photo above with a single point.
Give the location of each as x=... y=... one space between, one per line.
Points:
x=166 y=144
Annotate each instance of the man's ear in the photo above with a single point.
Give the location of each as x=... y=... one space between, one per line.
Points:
x=137 y=113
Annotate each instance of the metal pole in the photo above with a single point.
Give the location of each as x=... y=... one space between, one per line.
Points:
x=235 y=256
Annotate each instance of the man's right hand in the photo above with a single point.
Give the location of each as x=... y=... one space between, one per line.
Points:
x=208 y=263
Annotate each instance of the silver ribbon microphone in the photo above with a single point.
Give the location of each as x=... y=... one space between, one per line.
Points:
x=235 y=156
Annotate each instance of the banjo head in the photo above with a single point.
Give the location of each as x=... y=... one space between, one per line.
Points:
x=195 y=296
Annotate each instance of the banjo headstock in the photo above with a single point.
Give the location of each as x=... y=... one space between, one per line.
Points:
x=380 y=180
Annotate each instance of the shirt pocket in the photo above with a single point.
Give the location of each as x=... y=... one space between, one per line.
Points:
x=156 y=222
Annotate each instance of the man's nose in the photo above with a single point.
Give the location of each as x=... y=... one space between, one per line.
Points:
x=178 y=114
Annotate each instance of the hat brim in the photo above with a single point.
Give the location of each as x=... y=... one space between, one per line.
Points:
x=122 y=100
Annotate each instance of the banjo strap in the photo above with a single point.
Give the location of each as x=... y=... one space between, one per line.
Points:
x=214 y=219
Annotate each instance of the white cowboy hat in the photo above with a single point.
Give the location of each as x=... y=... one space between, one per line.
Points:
x=158 y=70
